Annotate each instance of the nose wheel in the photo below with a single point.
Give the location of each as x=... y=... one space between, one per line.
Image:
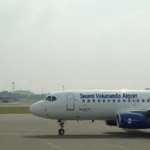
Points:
x=61 y=131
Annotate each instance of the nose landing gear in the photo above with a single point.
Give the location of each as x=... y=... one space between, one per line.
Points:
x=61 y=131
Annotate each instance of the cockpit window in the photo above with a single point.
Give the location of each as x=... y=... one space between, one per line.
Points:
x=54 y=98
x=48 y=98
x=51 y=98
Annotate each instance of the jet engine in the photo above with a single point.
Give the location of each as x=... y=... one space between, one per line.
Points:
x=132 y=121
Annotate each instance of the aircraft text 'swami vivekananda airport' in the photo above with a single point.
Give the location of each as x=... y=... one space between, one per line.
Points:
x=127 y=109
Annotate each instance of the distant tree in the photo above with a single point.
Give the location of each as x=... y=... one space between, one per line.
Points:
x=23 y=95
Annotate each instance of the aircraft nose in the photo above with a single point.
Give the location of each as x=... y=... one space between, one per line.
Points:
x=36 y=108
x=33 y=108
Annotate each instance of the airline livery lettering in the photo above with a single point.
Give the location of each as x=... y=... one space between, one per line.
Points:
x=124 y=95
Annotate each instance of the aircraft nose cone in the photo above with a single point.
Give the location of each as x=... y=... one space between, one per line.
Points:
x=33 y=108
x=37 y=108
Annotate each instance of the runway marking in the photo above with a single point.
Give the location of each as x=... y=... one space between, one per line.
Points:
x=116 y=146
x=54 y=146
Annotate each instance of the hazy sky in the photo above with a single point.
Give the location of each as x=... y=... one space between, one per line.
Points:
x=81 y=44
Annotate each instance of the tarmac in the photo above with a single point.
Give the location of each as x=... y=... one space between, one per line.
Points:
x=22 y=132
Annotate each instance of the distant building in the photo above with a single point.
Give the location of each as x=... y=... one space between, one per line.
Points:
x=6 y=99
x=24 y=92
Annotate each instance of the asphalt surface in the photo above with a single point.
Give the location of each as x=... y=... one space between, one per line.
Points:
x=22 y=132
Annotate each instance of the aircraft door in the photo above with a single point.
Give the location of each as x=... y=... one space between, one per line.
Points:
x=70 y=101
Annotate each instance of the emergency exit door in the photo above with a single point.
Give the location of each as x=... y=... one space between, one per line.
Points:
x=70 y=101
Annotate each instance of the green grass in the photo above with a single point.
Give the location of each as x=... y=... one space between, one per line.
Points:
x=15 y=110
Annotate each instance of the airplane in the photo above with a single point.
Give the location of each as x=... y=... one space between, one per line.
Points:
x=126 y=109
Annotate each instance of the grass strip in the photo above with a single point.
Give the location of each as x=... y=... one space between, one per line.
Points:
x=15 y=110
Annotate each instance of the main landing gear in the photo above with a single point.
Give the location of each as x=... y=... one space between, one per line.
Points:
x=61 y=131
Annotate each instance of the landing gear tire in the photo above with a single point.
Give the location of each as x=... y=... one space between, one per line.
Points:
x=61 y=131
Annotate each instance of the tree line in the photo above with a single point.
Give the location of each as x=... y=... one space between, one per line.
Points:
x=23 y=95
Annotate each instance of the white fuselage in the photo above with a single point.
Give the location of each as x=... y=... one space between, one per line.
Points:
x=91 y=104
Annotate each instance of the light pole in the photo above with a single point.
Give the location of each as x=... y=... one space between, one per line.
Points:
x=13 y=86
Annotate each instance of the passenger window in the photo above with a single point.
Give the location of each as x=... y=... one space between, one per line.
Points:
x=48 y=98
x=108 y=100
x=143 y=100
x=54 y=98
x=99 y=100
x=118 y=100
x=137 y=100
x=103 y=101
x=113 y=100
x=124 y=100
x=88 y=100
x=148 y=100
x=83 y=101
x=93 y=100
x=128 y=100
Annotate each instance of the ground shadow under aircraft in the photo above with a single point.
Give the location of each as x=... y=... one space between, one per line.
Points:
x=105 y=135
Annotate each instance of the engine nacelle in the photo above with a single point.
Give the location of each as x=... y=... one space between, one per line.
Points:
x=132 y=121
x=111 y=122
